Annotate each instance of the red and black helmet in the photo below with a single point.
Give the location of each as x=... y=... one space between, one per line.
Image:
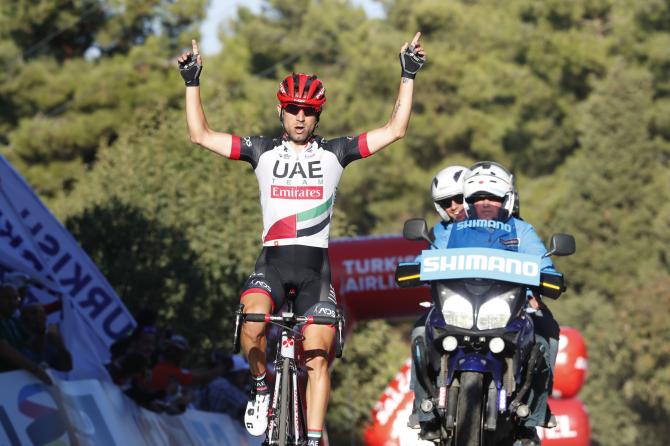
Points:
x=302 y=89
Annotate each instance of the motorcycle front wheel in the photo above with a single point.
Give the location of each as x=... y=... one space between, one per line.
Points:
x=469 y=412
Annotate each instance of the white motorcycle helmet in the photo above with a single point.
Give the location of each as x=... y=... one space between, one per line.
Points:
x=447 y=183
x=490 y=178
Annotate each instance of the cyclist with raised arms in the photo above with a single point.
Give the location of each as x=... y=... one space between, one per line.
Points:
x=298 y=173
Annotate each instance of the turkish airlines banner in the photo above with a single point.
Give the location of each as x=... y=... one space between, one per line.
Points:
x=34 y=242
x=94 y=413
x=363 y=276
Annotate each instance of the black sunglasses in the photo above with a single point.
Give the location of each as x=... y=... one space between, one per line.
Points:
x=295 y=109
x=477 y=198
x=446 y=202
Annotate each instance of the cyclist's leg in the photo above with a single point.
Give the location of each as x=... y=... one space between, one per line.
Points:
x=253 y=343
x=253 y=339
x=261 y=294
x=317 y=348
x=317 y=345
x=311 y=274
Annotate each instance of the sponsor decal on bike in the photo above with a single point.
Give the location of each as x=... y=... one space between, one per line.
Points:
x=287 y=347
x=443 y=264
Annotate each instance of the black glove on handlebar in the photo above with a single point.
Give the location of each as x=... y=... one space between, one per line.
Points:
x=190 y=70
x=410 y=62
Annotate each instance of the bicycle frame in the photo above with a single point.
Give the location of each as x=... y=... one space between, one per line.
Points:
x=284 y=428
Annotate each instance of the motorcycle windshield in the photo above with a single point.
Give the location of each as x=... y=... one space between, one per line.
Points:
x=483 y=263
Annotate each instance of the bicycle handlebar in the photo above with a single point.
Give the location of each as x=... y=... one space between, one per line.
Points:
x=290 y=319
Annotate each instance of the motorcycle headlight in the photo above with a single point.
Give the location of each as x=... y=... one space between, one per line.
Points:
x=457 y=311
x=495 y=313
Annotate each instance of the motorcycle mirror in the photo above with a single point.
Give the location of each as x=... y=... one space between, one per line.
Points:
x=562 y=245
x=416 y=229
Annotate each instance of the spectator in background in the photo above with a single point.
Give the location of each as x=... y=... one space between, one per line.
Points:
x=14 y=337
x=20 y=281
x=146 y=318
x=169 y=376
x=130 y=370
x=45 y=346
x=227 y=393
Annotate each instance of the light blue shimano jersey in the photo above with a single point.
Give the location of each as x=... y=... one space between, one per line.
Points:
x=512 y=235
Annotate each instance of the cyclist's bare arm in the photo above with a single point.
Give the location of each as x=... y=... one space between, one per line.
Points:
x=198 y=129
x=396 y=127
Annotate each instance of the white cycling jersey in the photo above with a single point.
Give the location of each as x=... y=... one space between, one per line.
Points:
x=297 y=189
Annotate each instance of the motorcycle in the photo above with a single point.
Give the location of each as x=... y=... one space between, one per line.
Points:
x=479 y=370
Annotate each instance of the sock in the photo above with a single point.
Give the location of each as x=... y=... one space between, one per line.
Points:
x=313 y=437
x=260 y=384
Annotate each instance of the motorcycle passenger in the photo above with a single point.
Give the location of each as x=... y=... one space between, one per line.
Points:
x=446 y=190
x=298 y=173
x=489 y=194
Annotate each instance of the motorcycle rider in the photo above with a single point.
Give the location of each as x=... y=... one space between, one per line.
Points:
x=489 y=194
x=446 y=190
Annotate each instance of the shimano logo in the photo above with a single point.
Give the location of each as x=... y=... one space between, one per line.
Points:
x=476 y=262
x=490 y=224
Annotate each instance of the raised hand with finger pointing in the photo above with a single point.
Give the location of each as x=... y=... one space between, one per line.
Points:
x=412 y=57
x=190 y=66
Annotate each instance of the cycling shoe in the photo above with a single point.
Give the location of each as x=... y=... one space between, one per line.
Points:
x=256 y=414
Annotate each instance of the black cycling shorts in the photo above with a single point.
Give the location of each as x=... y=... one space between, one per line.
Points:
x=303 y=268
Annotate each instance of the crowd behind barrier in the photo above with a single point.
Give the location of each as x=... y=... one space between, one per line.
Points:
x=92 y=412
x=148 y=366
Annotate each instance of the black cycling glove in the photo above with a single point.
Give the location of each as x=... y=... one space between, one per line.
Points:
x=190 y=70
x=410 y=62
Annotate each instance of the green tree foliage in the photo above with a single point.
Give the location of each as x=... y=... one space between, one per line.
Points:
x=59 y=103
x=612 y=204
x=618 y=156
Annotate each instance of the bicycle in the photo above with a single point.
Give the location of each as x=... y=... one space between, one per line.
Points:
x=287 y=427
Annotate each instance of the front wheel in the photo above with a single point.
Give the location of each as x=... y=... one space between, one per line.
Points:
x=469 y=410
x=284 y=414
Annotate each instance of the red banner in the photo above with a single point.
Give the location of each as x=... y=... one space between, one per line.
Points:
x=363 y=275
